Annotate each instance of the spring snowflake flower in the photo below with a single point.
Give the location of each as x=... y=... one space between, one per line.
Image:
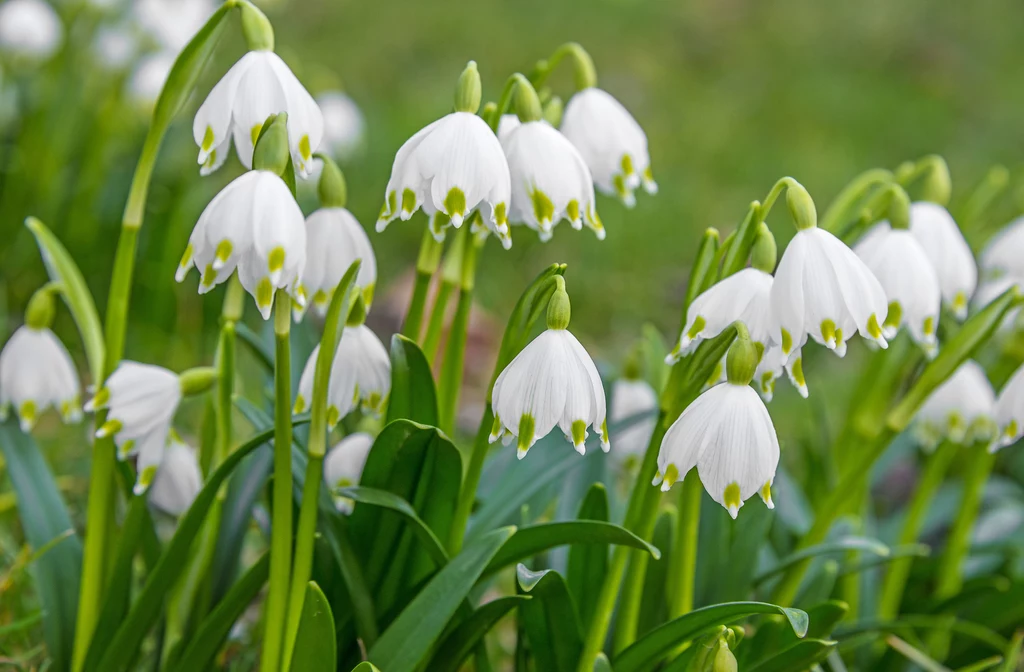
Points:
x=254 y=225
x=771 y=367
x=257 y=86
x=343 y=466
x=172 y=23
x=360 y=376
x=728 y=435
x=1010 y=411
x=989 y=290
x=961 y=410
x=178 y=479
x=30 y=28
x=36 y=372
x=553 y=381
x=909 y=281
x=611 y=142
x=631 y=397
x=507 y=124
x=334 y=240
x=949 y=253
x=344 y=124
x=1004 y=254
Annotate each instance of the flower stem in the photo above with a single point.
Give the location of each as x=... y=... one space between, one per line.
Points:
x=585 y=74
x=950 y=578
x=455 y=352
x=305 y=535
x=467 y=495
x=432 y=340
x=426 y=265
x=684 y=555
x=896 y=578
x=633 y=590
x=281 y=513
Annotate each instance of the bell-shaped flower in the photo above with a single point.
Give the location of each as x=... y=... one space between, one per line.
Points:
x=961 y=410
x=36 y=373
x=771 y=368
x=728 y=435
x=343 y=466
x=632 y=397
x=949 y=253
x=1004 y=254
x=30 y=29
x=550 y=180
x=254 y=225
x=611 y=142
x=553 y=381
x=360 y=376
x=823 y=290
x=507 y=124
x=344 y=125
x=909 y=281
x=334 y=240
x=257 y=86
x=1010 y=411
x=178 y=478
x=989 y=290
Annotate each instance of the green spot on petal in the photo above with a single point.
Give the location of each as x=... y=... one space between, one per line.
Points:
x=223 y=251
x=929 y=326
x=798 y=372
x=28 y=413
x=572 y=210
x=732 y=496
x=543 y=209
x=333 y=416
x=209 y=276
x=698 y=326
x=579 y=432
x=145 y=478
x=627 y=165
x=500 y=214
x=527 y=426
x=208 y=139
x=275 y=261
x=300 y=404
x=304 y=149
x=828 y=331
x=455 y=203
x=874 y=330
x=264 y=293
x=671 y=476
x=894 y=317
x=408 y=200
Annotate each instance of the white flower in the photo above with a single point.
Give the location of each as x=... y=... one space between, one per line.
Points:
x=343 y=465
x=36 y=372
x=550 y=180
x=1010 y=411
x=30 y=28
x=961 y=410
x=344 y=124
x=452 y=167
x=1004 y=254
x=823 y=290
x=507 y=124
x=989 y=290
x=116 y=46
x=729 y=436
x=172 y=23
x=257 y=86
x=770 y=369
x=743 y=296
x=631 y=398
x=553 y=381
x=178 y=479
x=949 y=253
x=360 y=376
x=611 y=142
x=148 y=78
x=334 y=240
x=254 y=225
x=909 y=281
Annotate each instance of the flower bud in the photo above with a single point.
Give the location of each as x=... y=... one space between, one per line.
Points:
x=272 y=153
x=527 y=103
x=724 y=660
x=558 y=306
x=553 y=109
x=899 y=207
x=197 y=380
x=801 y=205
x=469 y=90
x=39 y=314
x=259 y=34
x=765 y=252
x=332 y=190
x=357 y=313
x=936 y=184
x=741 y=362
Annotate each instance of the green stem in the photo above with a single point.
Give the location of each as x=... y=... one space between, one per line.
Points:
x=467 y=495
x=305 y=536
x=585 y=75
x=896 y=578
x=455 y=353
x=426 y=265
x=950 y=578
x=281 y=513
x=684 y=555
x=633 y=589
x=432 y=341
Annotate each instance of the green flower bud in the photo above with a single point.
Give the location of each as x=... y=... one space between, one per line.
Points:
x=553 y=109
x=331 y=189
x=197 y=380
x=899 y=207
x=765 y=252
x=936 y=184
x=271 y=152
x=259 y=34
x=527 y=103
x=357 y=313
x=41 y=308
x=801 y=205
x=724 y=660
x=558 y=306
x=743 y=357
x=586 y=74
x=469 y=90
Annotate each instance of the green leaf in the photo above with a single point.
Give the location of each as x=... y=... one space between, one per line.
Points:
x=1013 y=652
x=407 y=640
x=646 y=651
x=365 y=666
x=531 y=540
x=588 y=563
x=914 y=655
x=462 y=640
x=315 y=646
x=363 y=612
x=62 y=270
x=263 y=353
x=44 y=518
x=801 y=656
x=982 y=665
x=214 y=629
x=654 y=350
x=840 y=546
x=911 y=622
x=552 y=627
x=412 y=384
x=388 y=500
x=654 y=598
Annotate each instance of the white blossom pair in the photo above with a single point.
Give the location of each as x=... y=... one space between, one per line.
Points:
x=961 y=410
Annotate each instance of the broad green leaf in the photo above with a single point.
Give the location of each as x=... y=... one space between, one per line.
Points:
x=365 y=666
x=407 y=640
x=315 y=645
x=552 y=628
x=742 y=242
x=531 y=540
x=654 y=600
x=214 y=629
x=824 y=618
x=588 y=563
x=801 y=656
x=44 y=518
x=839 y=546
x=388 y=500
x=461 y=641
x=819 y=585
x=649 y=649
x=703 y=273
x=335 y=530
x=412 y=394
x=63 y=270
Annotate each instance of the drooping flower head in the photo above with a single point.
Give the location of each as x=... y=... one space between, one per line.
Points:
x=343 y=466
x=178 y=478
x=727 y=434
x=951 y=257
x=1010 y=411
x=632 y=397
x=553 y=381
x=451 y=168
x=961 y=410
x=30 y=29
x=344 y=124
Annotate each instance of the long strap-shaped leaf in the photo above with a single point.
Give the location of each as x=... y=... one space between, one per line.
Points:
x=462 y=640
x=550 y=620
x=316 y=649
x=801 y=656
x=389 y=500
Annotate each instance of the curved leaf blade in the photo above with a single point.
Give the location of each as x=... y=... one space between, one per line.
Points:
x=412 y=394
x=552 y=626
x=316 y=649
x=461 y=642
x=801 y=656
x=388 y=500
x=588 y=563
x=851 y=543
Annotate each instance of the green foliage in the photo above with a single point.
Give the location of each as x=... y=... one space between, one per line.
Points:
x=315 y=647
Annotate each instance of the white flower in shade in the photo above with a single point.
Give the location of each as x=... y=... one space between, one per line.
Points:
x=550 y=181
x=743 y=296
x=452 y=167
x=116 y=47
x=507 y=124
x=949 y=253
x=30 y=28
x=611 y=142
x=1010 y=411
x=178 y=478
x=989 y=290
x=823 y=290
x=1004 y=254
x=961 y=410
x=172 y=23
x=36 y=372
x=343 y=466
x=630 y=398
x=334 y=240
x=909 y=281
x=344 y=124
x=257 y=86
x=360 y=376
x=254 y=225
x=148 y=79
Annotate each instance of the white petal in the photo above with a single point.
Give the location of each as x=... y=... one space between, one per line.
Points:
x=212 y=125
x=630 y=398
x=142 y=398
x=1002 y=253
x=949 y=253
x=344 y=463
x=259 y=94
x=178 y=479
x=150 y=448
x=304 y=396
x=743 y=296
x=305 y=120
x=1010 y=410
x=966 y=399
